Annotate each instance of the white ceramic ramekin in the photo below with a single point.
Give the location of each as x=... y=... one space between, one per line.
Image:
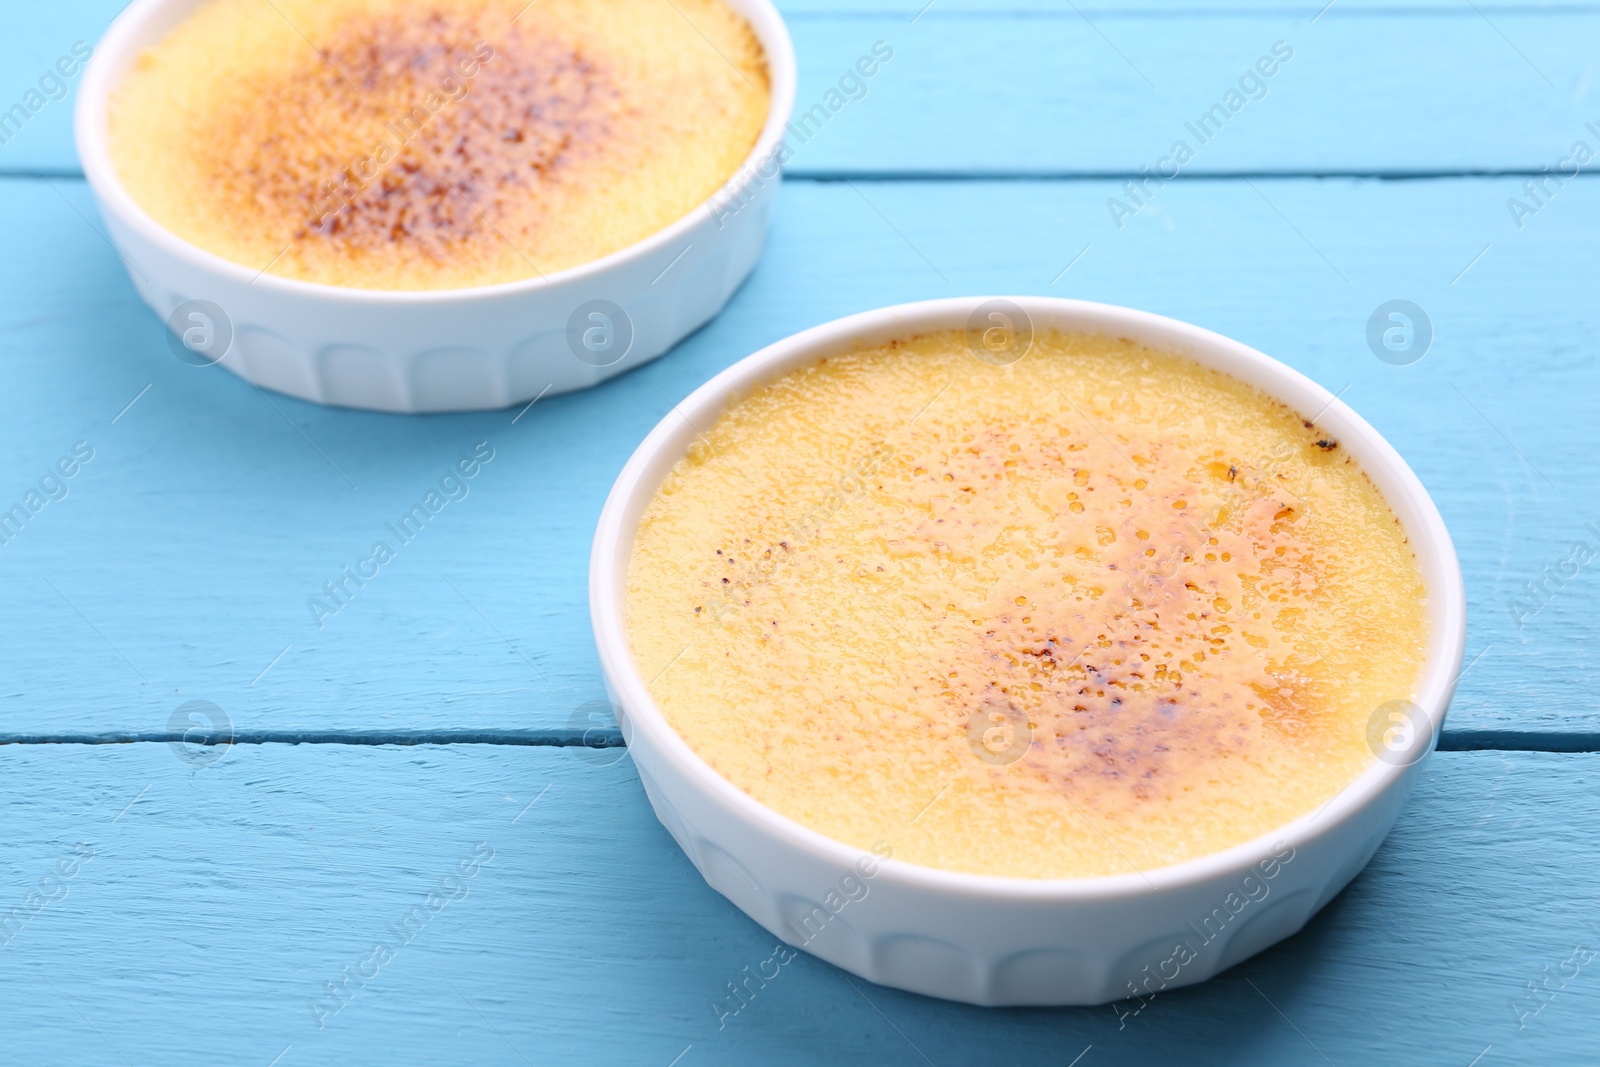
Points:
x=454 y=349
x=989 y=940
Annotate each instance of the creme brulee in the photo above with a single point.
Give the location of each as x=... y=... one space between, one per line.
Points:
x=1092 y=613
x=433 y=144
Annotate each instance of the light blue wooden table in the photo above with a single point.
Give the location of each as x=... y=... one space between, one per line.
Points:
x=164 y=905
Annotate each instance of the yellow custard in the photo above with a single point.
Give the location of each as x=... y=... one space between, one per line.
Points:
x=1092 y=613
x=435 y=144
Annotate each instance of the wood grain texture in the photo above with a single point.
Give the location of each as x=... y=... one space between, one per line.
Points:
x=1046 y=87
x=220 y=899
x=180 y=563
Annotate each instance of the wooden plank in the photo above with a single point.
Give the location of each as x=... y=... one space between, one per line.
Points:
x=1075 y=93
x=219 y=900
x=180 y=564
x=37 y=37
x=1044 y=88
x=1306 y=10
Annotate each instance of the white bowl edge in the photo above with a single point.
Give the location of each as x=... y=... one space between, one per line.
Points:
x=1400 y=487
x=170 y=266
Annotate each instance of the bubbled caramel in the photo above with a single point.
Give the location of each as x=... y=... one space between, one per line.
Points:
x=1091 y=613
x=466 y=132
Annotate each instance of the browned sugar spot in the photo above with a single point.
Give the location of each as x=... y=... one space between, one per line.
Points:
x=1141 y=678
x=390 y=140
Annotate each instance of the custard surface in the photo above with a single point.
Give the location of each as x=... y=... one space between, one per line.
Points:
x=434 y=144
x=1093 y=613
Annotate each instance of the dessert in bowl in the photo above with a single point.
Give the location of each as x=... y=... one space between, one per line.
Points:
x=435 y=144
x=438 y=204
x=1125 y=646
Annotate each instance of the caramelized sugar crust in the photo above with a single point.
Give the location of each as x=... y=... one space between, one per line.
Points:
x=1096 y=612
x=436 y=143
x=534 y=109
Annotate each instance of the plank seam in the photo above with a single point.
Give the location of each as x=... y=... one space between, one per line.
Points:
x=593 y=738
x=1166 y=13
x=1470 y=740
x=932 y=176
x=822 y=176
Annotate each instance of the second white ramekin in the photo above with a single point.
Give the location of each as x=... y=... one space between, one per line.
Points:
x=989 y=940
x=452 y=349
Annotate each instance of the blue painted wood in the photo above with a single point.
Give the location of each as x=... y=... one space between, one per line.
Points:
x=220 y=900
x=1043 y=88
x=180 y=564
x=177 y=565
x=1022 y=10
